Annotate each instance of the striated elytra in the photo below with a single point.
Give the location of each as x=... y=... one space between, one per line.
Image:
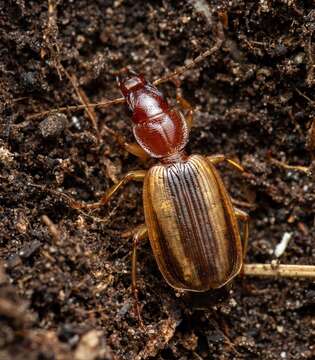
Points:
x=191 y=225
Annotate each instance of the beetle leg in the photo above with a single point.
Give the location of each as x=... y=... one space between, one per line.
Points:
x=184 y=104
x=244 y=218
x=140 y=234
x=218 y=158
x=244 y=204
x=136 y=175
x=136 y=150
x=133 y=148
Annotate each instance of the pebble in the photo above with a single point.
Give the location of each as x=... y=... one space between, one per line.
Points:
x=53 y=125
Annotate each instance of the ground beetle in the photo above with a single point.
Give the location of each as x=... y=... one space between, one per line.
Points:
x=190 y=218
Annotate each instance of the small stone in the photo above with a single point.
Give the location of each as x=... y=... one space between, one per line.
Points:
x=29 y=249
x=280 y=329
x=53 y=125
x=91 y=347
x=190 y=342
x=6 y=157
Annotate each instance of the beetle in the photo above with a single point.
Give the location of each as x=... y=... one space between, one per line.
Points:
x=189 y=216
x=190 y=219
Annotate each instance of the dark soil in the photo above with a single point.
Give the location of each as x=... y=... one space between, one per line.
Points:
x=65 y=288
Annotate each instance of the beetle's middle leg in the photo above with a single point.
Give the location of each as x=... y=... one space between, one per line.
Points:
x=140 y=234
x=244 y=218
x=219 y=158
x=136 y=175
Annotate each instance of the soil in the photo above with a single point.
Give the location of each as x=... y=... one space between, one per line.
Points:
x=65 y=287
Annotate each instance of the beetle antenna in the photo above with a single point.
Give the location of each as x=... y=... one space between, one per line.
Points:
x=198 y=59
x=73 y=108
x=177 y=72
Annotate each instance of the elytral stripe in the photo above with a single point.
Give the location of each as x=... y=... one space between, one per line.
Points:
x=184 y=221
x=195 y=224
x=199 y=222
x=170 y=243
x=229 y=244
x=200 y=189
x=174 y=247
x=223 y=237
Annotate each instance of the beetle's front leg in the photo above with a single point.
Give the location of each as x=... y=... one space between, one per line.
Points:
x=136 y=150
x=133 y=148
x=219 y=158
x=136 y=175
x=139 y=235
x=184 y=104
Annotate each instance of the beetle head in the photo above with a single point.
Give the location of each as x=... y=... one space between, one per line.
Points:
x=129 y=81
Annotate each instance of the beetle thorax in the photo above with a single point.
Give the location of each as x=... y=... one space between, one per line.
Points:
x=160 y=130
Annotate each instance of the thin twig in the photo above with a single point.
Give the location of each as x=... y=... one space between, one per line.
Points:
x=305 y=96
x=52 y=228
x=271 y=270
x=50 y=36
x=83 y=99
x=305 y=169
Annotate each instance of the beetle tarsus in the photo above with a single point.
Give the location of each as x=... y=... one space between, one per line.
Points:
x=139 y=235
x=136 y=175
x=244 y=218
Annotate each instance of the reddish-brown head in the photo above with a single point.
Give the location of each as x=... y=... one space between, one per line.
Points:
x=129 y=81
x=160 y=131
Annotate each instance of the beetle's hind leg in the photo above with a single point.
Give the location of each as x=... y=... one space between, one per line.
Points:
x=139 y=235
x=243 y=217
x=136 y=175
x=271 y=270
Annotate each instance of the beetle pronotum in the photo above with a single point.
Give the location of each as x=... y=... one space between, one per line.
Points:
x=190 y=219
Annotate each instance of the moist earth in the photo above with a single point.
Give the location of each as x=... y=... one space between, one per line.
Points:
x=65 y=284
